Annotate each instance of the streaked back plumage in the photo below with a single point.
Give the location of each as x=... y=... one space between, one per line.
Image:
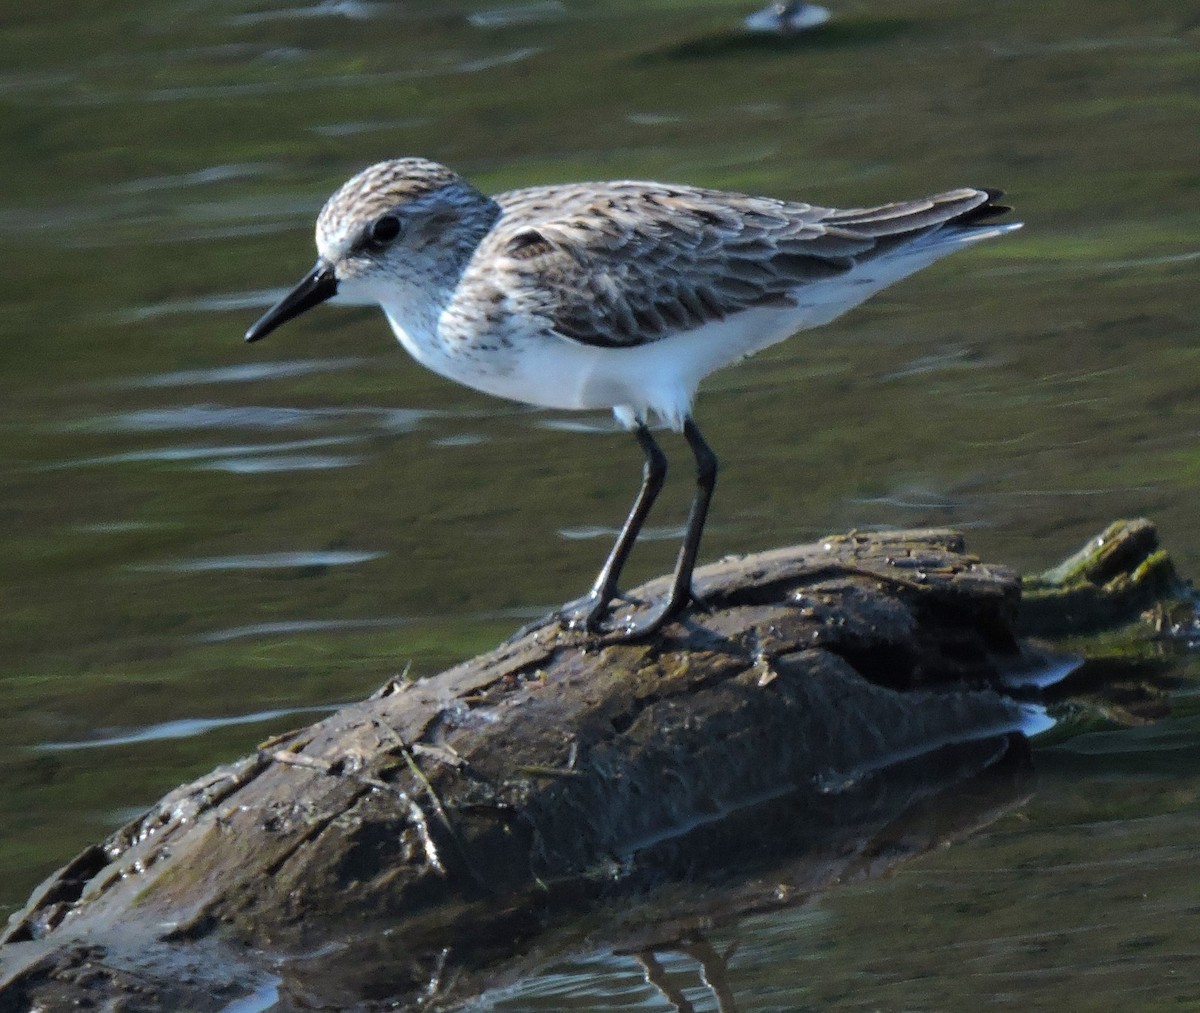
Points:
x=619 y=264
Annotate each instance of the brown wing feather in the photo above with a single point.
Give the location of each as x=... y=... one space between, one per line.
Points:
x=623 y=264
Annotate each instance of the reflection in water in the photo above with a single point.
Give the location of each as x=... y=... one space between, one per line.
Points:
x=262 y=999
x=724 y=940
x=1039 y=670
x=713 y=972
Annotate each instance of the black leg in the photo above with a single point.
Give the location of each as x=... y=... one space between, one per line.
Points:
x=654 y=472
x=586 y=612
x=706 y=480
x=680 y=595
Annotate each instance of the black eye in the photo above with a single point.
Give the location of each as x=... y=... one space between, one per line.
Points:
x=383 y=230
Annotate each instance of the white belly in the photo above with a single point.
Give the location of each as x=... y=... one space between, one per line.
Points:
x=555 y=372
x=660 y=377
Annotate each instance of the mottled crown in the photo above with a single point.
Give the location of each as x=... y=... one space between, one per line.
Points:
x=375 y=190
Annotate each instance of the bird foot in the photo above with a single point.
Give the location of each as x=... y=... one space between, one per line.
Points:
x=587 y=614
x=644 y=625
x=593 y=614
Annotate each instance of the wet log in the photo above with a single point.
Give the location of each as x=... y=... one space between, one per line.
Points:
x=468 y=810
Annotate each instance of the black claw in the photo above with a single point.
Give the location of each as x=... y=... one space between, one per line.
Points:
x=641 y=625
x=645 y=626
x=585 y=613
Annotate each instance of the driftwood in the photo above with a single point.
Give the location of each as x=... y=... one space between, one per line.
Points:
x=822 y=692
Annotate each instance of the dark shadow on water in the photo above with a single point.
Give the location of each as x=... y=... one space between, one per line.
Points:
x=835 y=35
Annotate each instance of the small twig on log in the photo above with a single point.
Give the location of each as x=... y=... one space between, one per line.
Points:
x=443 y=818
x=415 y=812
x=535 y=770
x=444 y=753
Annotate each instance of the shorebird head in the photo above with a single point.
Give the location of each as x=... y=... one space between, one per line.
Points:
x=398 y=232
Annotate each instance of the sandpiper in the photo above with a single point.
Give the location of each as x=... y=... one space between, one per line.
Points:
x=621 y=295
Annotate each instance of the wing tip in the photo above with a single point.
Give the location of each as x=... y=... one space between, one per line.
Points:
x=986 y=209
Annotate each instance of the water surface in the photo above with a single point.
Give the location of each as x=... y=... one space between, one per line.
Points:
x=198 y=533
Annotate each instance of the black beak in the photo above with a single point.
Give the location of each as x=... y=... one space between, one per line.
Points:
x=315 y=287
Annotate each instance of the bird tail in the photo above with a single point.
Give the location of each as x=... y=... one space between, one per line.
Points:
x=975 y=223
x=945 y=219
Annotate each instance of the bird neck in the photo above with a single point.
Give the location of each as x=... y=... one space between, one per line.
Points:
x=434 y=260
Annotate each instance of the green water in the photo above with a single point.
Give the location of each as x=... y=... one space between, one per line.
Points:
x=163 y=164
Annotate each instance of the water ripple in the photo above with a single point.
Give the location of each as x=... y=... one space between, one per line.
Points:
x=203 y=453
x=33 y=81
x=1085 y=45
x=247 y=373
x=262 y=561
x=941 y=362
x=252 y=89
x=353 y=127
x=182 y=729
x=201 y=177
x=519 y=14
x=221 y=303
x=354 y=10
x=215 y=416
x=462 y=440
x=1027 y=718
x=649 y=533
x=287 y=462
x=285 y=627
x=600 y=424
